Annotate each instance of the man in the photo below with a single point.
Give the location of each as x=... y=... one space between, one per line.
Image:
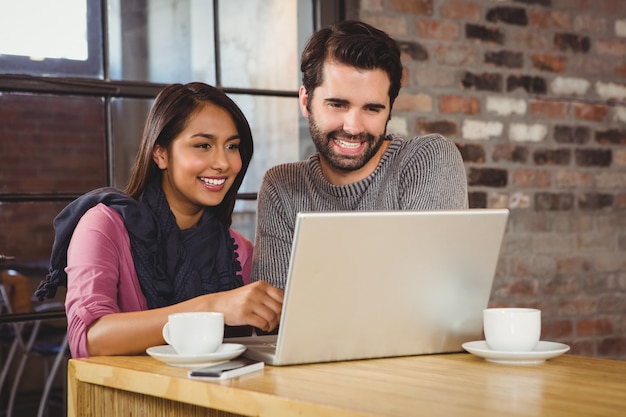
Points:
x=351 y=75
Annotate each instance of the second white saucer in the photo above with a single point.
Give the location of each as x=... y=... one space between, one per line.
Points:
x=542 y=352
x=167 y=354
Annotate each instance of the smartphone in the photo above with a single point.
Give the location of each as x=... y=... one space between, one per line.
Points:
x=225 y=370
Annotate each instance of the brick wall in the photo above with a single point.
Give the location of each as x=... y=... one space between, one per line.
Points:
x=534 y=94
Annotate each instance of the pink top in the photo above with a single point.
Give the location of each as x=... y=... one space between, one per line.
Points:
x=102 y=274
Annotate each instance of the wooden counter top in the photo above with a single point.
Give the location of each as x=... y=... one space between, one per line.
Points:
x=432 y=385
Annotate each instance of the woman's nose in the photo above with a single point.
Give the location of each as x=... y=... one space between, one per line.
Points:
x=219 y=160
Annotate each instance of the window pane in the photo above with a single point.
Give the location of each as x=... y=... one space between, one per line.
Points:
x=61 y=37
x=128 y=117
x=274 y=124
x=51 y=144
x=264 y=55
x=31 y=42
x=161 y=41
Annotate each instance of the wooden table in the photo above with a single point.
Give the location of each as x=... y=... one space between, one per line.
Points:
x=435 y=385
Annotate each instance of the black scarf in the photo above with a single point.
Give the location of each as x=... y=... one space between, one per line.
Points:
x=172 y=265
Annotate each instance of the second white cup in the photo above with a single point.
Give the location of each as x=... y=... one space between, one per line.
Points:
x=194 y=333
x=512 y=329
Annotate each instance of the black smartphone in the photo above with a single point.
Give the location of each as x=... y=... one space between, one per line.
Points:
x=228 y=369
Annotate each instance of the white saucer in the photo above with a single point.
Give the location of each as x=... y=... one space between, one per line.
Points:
x=167 y=354
x=542 y=352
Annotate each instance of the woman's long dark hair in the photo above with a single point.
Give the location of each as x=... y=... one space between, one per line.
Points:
x=169 y=115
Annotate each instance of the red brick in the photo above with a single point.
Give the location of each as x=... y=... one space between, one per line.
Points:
x=572 y=42
x=532 y=178
x=581 y=347
x=613 y=47
x=546 y=62
x=591 y=112
x=488 y=177
x=595 y=201
x=460 y=10
x=550 y=19
x=444 y=127
x=434 y=77
x=577 y=306
x=590 y=65
x=472 y=153
x=573 y=179
x=457 y=55
x=484 y=34
x=510 y=153
x=571 y=134
x=613 y=303
x=611 y=137
x=597 y=6
x=552 y=156
x=507 y=14
x=585 y=23
x=546 y=201
x=561 y=285
x=549 y=109
x=440 y=30
x=410 y=102
x=620 y=70
x=529 y=40
x=459 y=104
x=612 y=347
x=412 y=6
x=556 y=329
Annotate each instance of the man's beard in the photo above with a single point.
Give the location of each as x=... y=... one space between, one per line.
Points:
x=341 y=162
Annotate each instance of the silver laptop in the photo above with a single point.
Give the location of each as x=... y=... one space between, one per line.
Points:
x=381 y=284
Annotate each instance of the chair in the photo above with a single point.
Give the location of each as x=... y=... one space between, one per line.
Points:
x=27 y=340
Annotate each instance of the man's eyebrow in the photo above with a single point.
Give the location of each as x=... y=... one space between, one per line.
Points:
x=378 y=106
x=336 y=100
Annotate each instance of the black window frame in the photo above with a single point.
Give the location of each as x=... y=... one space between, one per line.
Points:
x=17 y=75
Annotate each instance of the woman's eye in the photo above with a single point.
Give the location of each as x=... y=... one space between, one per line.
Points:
x=232 y=146
x=203 y=146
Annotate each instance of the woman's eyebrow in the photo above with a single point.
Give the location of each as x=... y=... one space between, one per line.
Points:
x=213 y=137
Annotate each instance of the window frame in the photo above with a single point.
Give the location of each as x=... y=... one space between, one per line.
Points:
x=18 y=76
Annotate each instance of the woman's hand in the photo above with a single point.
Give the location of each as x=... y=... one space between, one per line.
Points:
x=258 y=304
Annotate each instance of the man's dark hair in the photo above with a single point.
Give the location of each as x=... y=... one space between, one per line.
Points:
x=352 y=43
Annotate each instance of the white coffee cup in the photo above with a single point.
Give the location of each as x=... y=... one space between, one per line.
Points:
x=194 y=333
x=512 y=329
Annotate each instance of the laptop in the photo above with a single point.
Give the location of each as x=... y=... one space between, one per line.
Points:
x=367 y=285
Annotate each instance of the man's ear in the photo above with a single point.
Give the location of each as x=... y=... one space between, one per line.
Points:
x=303 y=98
x=159 y=156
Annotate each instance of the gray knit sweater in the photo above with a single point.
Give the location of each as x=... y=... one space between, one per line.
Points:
x=423 y=173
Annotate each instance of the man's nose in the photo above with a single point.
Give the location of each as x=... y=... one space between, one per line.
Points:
x=353 y=123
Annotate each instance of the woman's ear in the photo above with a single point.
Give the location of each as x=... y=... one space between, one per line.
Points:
x=303 y=98
x=159 y=156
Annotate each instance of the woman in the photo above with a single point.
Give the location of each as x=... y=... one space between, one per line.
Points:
x=165 y=244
